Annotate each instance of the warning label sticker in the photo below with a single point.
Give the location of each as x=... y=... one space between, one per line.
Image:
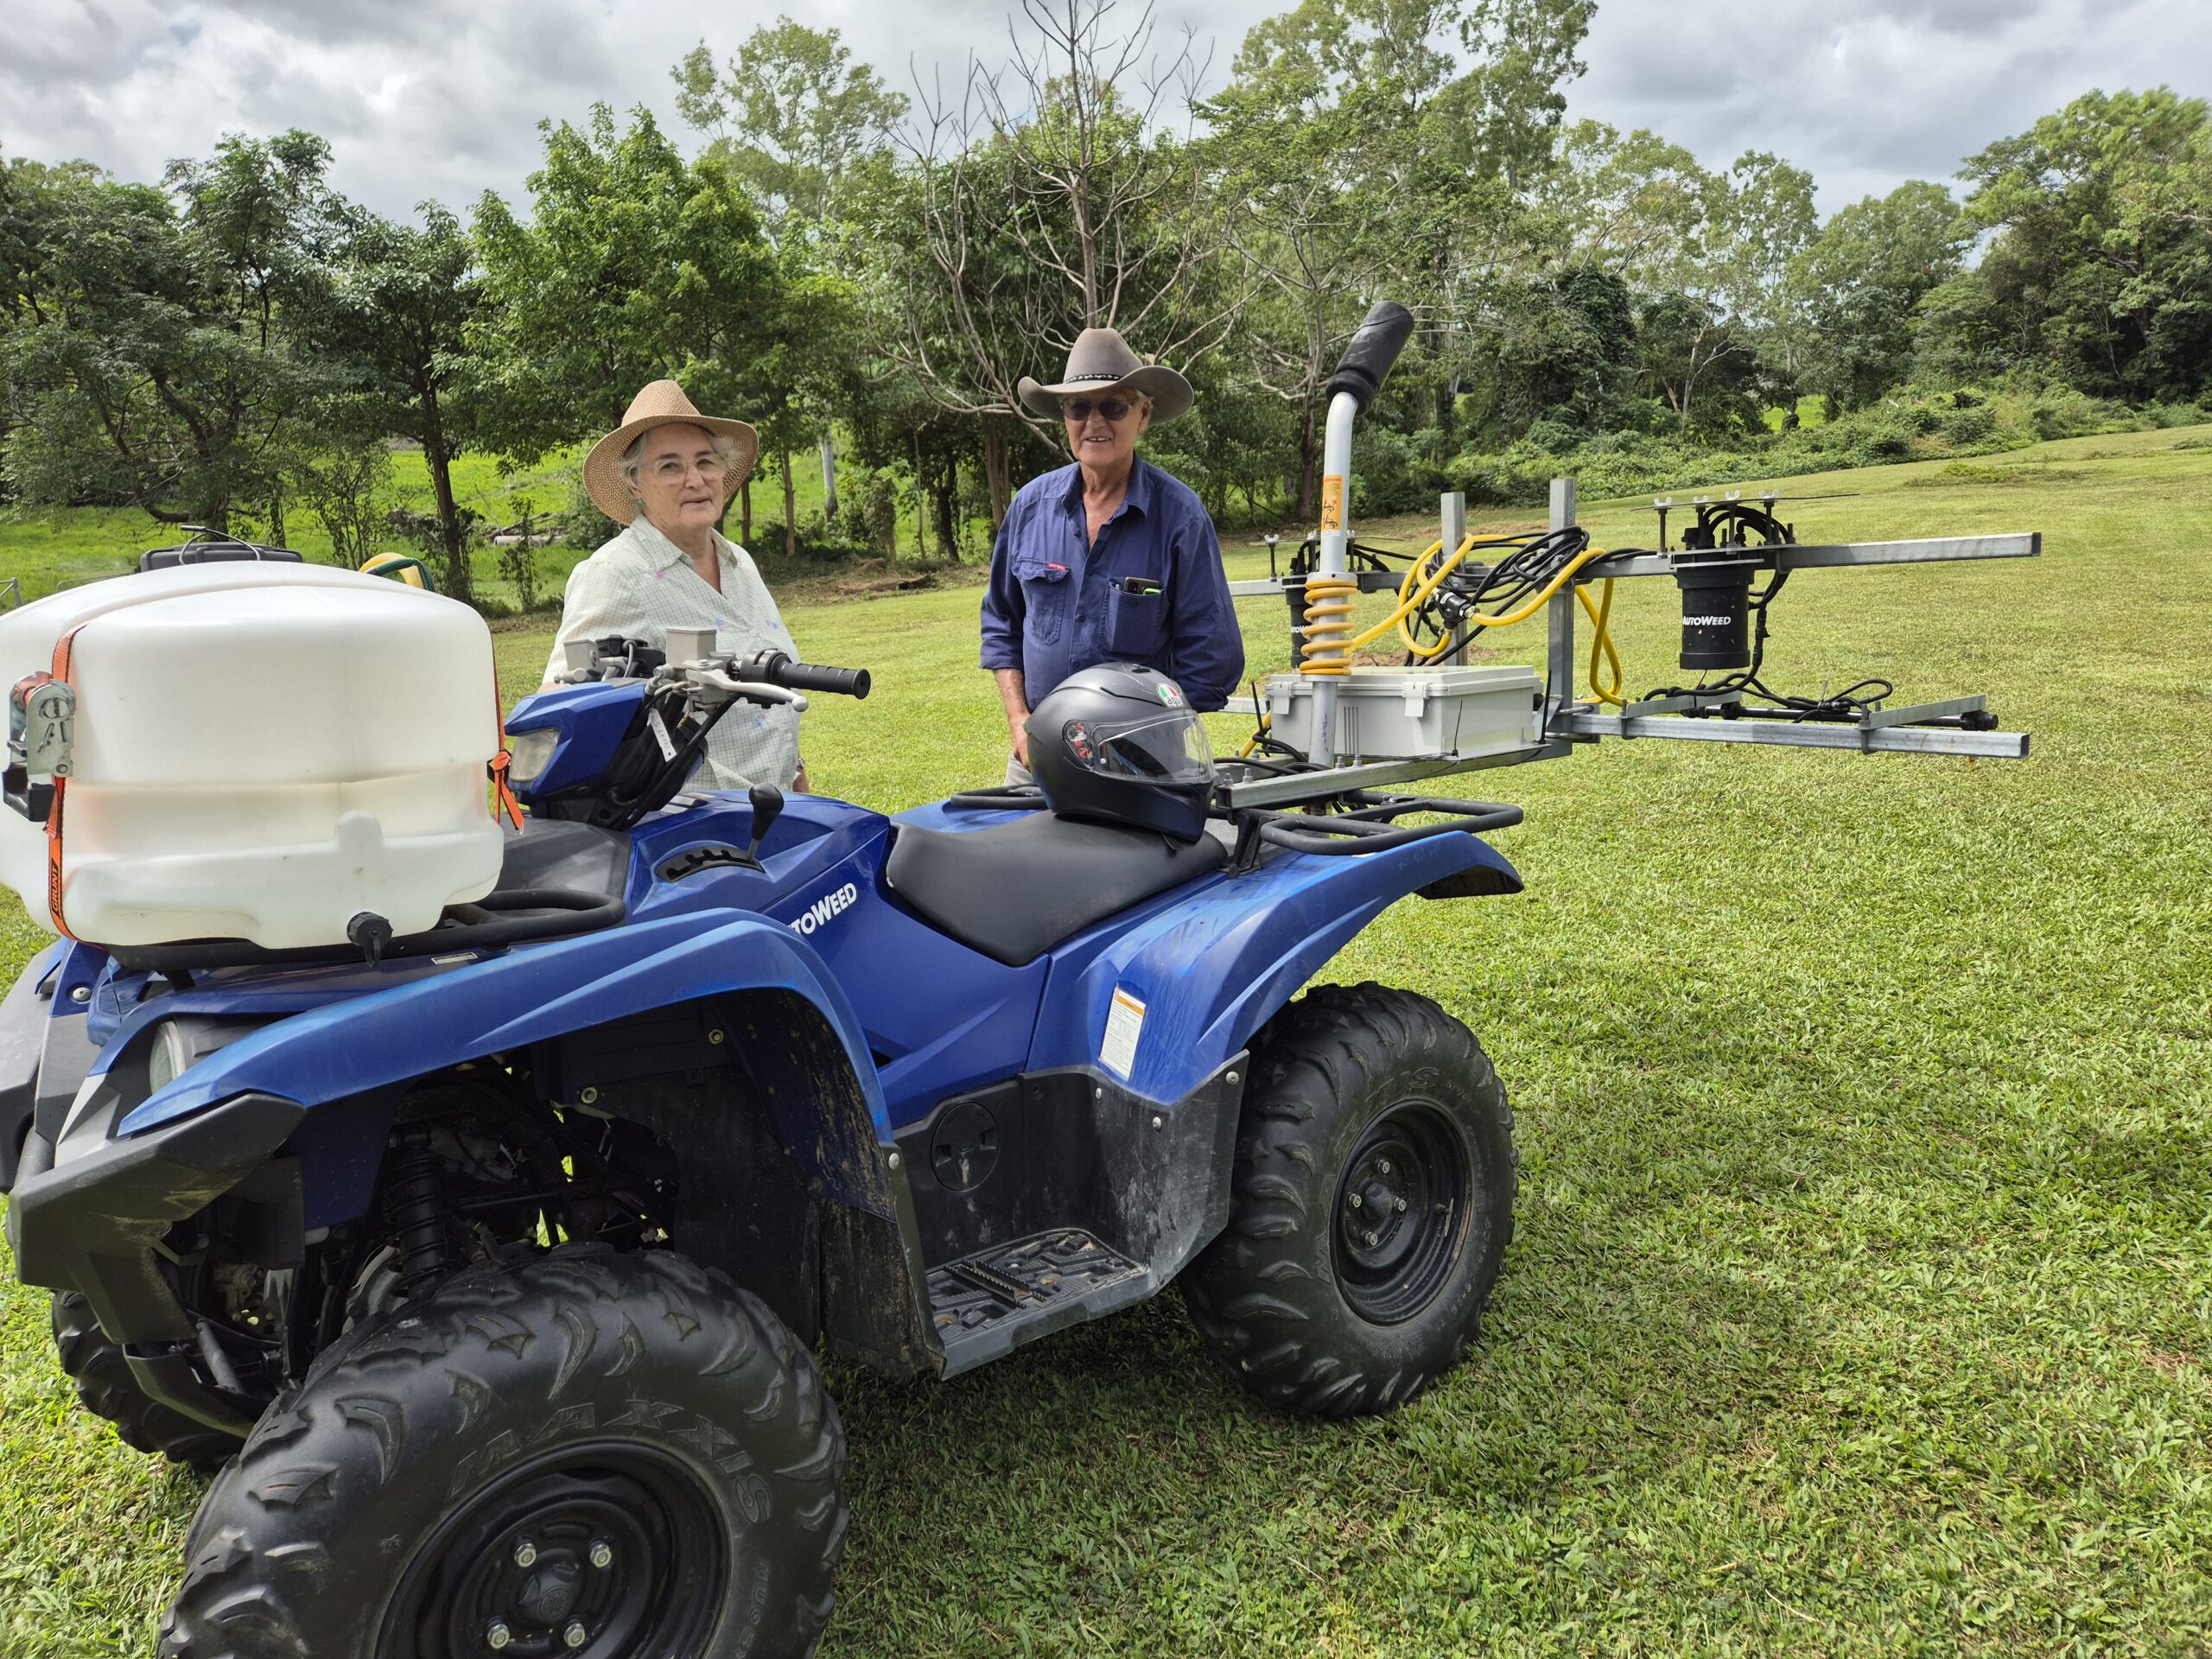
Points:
x=1332 y=501
x=1124 y=1025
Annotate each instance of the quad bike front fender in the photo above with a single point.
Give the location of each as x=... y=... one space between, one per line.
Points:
x=349 y=1051
x=1208 y=972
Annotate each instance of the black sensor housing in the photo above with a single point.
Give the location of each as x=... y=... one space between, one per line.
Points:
x=1716 y=608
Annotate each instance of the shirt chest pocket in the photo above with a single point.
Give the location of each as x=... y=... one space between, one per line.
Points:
x=1043 y=597
x=1136 y=623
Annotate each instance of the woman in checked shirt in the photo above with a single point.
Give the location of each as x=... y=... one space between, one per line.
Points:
x=667 y=471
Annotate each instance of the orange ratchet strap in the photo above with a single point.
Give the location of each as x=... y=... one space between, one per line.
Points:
x=60 y=671
x=508 y=806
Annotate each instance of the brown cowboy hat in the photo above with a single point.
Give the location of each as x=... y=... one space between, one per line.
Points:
x=1100 y=362
x=662 y=404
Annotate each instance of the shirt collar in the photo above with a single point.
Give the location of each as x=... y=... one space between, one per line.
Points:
x=663 y=554
x=1137 y=498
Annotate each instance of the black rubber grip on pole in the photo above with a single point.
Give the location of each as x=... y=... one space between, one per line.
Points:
x=1375 y=347
x=779 y=670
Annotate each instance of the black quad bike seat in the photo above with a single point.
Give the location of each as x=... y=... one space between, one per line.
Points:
x=1015 y=890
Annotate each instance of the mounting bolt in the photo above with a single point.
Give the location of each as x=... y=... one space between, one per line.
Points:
x=588 y=1096
x=1382 y=1165
x=1229 y=1076
x=1158 y=1121
x=1355 y=1200
x=715 y=1035
x=892 y=1162
x=525 y=1552
x=1402 y=1206
x=575 y=1635
x=82 y=994
x=497 y=1635
x=1098 y=1094
x=602 y=1553
x=1371 y=1240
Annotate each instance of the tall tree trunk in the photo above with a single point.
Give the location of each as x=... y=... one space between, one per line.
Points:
x=745 y=513
x=1309 y=457
x=437 y=455
x=791 y=507
x=997 y=474
x=948 y=497
x=277 y=524
x=828 y=479
x=921 y=507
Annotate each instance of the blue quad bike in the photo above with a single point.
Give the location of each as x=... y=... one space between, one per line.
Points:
x=487 y=1265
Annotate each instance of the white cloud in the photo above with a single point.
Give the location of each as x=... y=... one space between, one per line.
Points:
x=440 y=99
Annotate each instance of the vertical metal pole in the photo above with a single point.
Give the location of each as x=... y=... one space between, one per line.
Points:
x=1559 y=643
x=1336 y=536
x=1454 y=518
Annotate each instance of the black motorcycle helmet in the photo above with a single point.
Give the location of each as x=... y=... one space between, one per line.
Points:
x=1119 y=744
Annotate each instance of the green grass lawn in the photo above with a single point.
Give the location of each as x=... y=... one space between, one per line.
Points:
x=1859 y=1301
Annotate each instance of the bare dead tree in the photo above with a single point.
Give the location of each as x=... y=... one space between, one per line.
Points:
x=1055 y=195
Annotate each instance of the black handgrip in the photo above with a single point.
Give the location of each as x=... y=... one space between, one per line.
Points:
x=778 y=669
x=1375 y=347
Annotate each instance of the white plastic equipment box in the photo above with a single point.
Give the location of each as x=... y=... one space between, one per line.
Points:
x=1385 y=714
x=257 y=752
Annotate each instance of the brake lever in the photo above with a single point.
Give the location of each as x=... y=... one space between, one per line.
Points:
x=751 y=690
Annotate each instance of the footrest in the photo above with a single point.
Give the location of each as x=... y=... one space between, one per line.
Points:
x=985 y=1304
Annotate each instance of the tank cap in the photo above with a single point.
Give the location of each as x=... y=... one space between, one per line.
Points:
x=369 y=933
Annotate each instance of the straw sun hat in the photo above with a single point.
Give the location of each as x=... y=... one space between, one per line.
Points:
x=662 y=404
x=1101 y=361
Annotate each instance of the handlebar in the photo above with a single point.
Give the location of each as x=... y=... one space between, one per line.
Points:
x=777 y=669
x=1374 y=347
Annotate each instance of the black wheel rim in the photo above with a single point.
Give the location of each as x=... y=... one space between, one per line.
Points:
x=1401 y=1213
x=594 y=1552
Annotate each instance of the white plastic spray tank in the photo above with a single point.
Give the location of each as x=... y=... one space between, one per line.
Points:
x=258 y=752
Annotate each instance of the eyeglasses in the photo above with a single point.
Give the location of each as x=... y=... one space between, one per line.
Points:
x=670 y=469
x=1079 y=408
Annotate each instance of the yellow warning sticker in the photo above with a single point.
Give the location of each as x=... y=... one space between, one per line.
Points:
x=1332 y=501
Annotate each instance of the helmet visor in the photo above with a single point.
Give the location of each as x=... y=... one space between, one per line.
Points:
x=1163 y=748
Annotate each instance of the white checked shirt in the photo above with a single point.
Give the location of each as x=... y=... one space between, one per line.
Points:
x=639 y=586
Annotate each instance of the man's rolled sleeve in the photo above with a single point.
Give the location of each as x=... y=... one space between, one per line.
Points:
x=1002 y=604
x=1206 y=650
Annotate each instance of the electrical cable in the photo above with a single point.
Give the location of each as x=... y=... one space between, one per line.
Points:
x=1601 y=643
x=1847 y=704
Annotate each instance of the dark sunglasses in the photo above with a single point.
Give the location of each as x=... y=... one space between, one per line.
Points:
x=1079 y=408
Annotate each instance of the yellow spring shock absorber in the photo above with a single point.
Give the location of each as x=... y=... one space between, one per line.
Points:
x=1328 y=624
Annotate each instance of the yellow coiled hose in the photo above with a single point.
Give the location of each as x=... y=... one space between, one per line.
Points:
x=1330 y=640
x=1328 y=624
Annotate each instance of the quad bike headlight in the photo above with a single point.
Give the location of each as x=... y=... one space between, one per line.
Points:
x=529 y=753
x=170 y=1057
x=175 y=1046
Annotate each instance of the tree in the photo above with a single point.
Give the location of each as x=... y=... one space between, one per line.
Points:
x=156 y=362
x=635 y=265
x=2101 y=267
x=793 y=120
x=1858 y=288
x=791 y=117
x=1046 y=200
x=1365 y=156
x=402 y=303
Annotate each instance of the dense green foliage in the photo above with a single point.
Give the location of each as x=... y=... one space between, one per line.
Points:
x=866 y=280
x=1857 y=1303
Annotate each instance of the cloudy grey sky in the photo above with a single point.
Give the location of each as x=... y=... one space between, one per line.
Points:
x=440 y=98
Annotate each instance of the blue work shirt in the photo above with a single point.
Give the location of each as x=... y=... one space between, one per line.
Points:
x=1057 y=604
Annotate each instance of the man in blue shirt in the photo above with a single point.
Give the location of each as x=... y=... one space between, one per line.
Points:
x=1109 y=560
